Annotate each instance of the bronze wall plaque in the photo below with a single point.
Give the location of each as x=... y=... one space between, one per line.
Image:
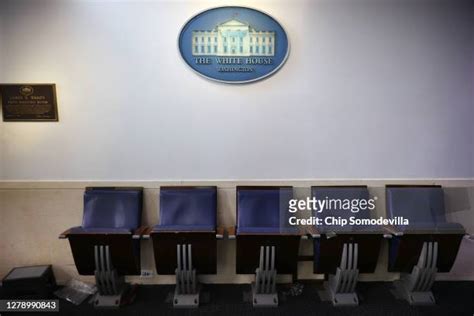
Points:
x=29 y=102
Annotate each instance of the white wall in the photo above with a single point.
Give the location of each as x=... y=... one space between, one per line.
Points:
x=371 y=90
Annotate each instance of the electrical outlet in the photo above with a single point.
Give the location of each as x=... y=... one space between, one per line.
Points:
x=146 y=274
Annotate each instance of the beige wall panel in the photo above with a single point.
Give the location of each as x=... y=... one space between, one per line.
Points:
x=32 y=214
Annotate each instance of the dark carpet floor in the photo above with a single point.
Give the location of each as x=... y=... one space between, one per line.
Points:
x=453 y=298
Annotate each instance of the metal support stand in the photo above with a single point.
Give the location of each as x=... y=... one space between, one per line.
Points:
x=416 y=286
x=111 y=287
x=341 y=286
x=186 y=293
x=264 y=292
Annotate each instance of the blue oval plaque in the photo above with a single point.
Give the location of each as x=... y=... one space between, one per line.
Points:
x=234 y=44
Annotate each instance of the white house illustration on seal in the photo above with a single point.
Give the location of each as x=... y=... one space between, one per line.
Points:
x=233 y=38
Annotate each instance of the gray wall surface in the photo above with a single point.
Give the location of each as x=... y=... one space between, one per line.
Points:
x=2 y=139
x=372 y=89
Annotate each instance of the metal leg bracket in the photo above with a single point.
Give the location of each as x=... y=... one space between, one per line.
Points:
x=264 y=292
x=341 y=286
x=416 y=286
x=110 y=286
x=186 y=293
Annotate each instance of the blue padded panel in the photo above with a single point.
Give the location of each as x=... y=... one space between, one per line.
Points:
x=342 y=193
x=268 y=230
x=317 y=250
x=393 y=250
x=98 y=230
x=110 y=208
x=440 y=227
x=422 y=206
x=189 y=228
x=185 y=208
x=360 y=229
x=262 y=208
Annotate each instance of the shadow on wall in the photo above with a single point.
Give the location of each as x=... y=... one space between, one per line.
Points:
x=459 y=208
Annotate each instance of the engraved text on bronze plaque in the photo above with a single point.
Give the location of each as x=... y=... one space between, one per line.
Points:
x=29 y=102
